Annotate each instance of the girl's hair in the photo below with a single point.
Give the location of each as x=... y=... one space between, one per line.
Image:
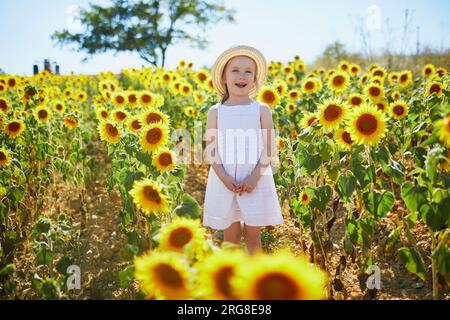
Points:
x=227 y=94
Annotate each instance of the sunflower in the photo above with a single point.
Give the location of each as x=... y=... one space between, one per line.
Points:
x=379 y=72
x=395 y=95
x=146 y=99
x=14 y=128
x=281 y=87
x=443 y=127
x=308 y=119
x=344 y=139
x=119 y=99
x=199 y=98
x=280 y=276
x=11 y=82
x=393 y=77
x=134 y=124
x=215 y=274
x=441 y=72
x=280 y=143
x=185 y=89
x=71 y=122
x=434 y=88
x=364 y=78
x=374 y=92
x=154 y=136
x=183 y=235
x=366 y=125
x=311 y=85
x=354 y=69
x=287 y=70
x=377 y=80
x=109 y=132
x=2 y=87
x=304 y=198
x=381 y=105
x=428 y=70
x=331 y=114
x=398 y=109
x=163 y=275
x=299 y=66
x=58 y=106
x=153 y=115
x=291 y=107
x=189 y=111
x=338 y=81
x=164 y=160
x=148 y=197
x=5 y=158
x=102 y=114
x=293 y=95
x=4 y=105
x=355 y=100
x=269 y=95
x=132 y=98
x=344 y=66
x=201 y=76
x=405 y=79
x=119 y=115
x=291 y=79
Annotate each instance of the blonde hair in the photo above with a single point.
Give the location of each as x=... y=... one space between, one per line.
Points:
x=227 y=94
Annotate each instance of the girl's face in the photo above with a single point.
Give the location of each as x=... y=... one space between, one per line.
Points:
x=239 y=76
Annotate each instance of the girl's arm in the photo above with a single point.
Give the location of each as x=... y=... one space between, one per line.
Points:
x=269 y=151
x=211 y=154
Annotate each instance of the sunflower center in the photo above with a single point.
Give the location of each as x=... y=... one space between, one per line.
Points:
x=427 y=71
x=121 y=115
x=269 y=96
x=136 y=125
x=180 y=237
x=104 y=114
x=311 y=120
x=201 y=77
x=223 y=277
x=435 y=88
x=58 y=107
x=276 y=286
x=374 y=91
x=112 y=130
x=332 y=112
x=347 y=138
x=356 y=101
x=403 y=78
x=132 y=98
x=14 y=126
x=152 y=194
x=153 y=117
x=154 y=135
x=2 y=156
x=398 y=110
x=304 y=197
x=146 y=98
x=309 y=85
x=338 y=80
x=367 y=124
x=120 y=99
x=165 y=159
x=3 y=105
x=168 y=275
x=294 y=94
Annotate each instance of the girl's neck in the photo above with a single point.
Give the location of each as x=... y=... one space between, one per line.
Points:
x=233 y=101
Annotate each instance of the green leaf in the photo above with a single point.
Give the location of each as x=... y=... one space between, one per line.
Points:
x=413 y=261
x=346 y=185
x=431 y=162
x=43 y=254
x=125 y=277
x=312 y=163
x=413 y=196
x=378 y=204
x=63 y=264
x=442 y=257
x=189 y=207
x=321 y=197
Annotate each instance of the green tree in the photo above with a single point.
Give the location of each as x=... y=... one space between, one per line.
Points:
x=334 y=53
x=147 y=27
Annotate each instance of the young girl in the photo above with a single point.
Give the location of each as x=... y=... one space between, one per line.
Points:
x=240 y=182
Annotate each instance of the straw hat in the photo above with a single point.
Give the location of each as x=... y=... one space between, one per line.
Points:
x=219 y=65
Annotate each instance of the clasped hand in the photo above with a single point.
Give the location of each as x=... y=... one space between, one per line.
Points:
x=247 y=185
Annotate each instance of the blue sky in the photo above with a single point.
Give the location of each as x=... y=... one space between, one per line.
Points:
x=280 y=29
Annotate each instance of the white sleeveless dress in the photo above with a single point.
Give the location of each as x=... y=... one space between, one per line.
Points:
x=240 y=144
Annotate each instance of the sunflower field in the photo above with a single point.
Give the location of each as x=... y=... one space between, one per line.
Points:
x=104 y=173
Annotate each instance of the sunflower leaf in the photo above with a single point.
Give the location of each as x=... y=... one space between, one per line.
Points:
x=378 y=204
x=413 y=261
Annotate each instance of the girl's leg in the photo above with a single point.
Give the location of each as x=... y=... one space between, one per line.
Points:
x=233 y=233
x=252 y=237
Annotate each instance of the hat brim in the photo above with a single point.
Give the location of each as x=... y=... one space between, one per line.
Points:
x=220 y=63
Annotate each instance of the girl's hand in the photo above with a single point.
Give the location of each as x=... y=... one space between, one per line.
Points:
x=248 y=185
x=231 y=184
